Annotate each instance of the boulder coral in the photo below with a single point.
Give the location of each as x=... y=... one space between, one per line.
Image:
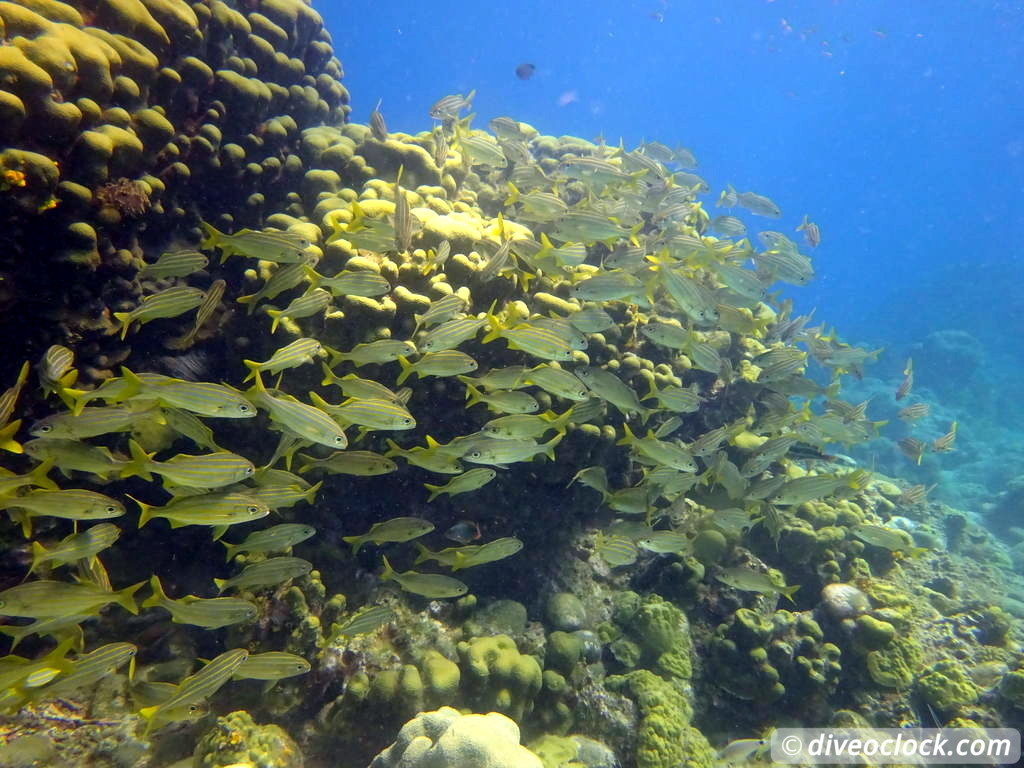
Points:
x=125 y=119
x=445 y=738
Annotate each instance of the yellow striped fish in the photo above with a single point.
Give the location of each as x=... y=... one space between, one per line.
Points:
x=308 y=304
x=449 y=362
x=216 y=509
x=69 y=504
x=375 y=414
x=266 y=573
x=306 y=421
x=285 y=278
x=450 y=334
x=180 y=263
x=355 y=283
x=380 y=351
x=171 y=302
x=196 y=688
x=210 y=303
x=77 y=546
x=212 y=470
x=299 y=352
x=209 y=613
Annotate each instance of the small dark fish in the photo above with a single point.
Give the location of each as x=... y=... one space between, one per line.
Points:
x=914 y=412
x=525 y=70
x=908 y=380
x=945 y=443
x=440 y=153
x=915 y=494
x=463 y=532
x=812 y=234
x=913 y=448
x=378 y=128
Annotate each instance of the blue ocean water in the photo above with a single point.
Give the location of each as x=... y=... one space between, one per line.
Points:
x=896 y=127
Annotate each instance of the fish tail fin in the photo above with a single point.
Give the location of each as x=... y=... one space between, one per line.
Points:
x=39 y=475
x=125 y=319
x=788 y=592
x=145 y=510
x=257 y=385
x=231 y=549
x=560 y=422
x=139 y=464
x=315 y=278
x=211 y=236
x=253 y=366
x=393 y=449
x=494 y=326
x=337 y=356
x=388 y=573
x=356 y=542
x=158 y=593
x=318 y=401
x=549 y=446
x=435 y=491
x=221 y=585
x=473 y=395
x=310 y=496
x=407 y=369
x=629 y=438
x=219 y=531
x=546 y=246
x=126 y=597
x=7 y=441
x=136 y=385
x=38 y=556
x=329 y=376
x=249 y=300
x=424 y=553
x=275 y=315
x=25 y=518
x=513 y=195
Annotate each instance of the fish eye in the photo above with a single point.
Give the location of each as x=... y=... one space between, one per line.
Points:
x=339 y=440
x=407 y=421
x=111 y=508
x=249 y=471
x=244 y=407
x=45 y=428
x=474 y=454
x=253 y=509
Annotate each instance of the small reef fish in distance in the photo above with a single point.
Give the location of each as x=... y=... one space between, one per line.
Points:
x=378 y=129
x=525 y=70
x=812 y=234
x=747 y=580
x=448 y=108
x=945 y=443
x=366 y=621
x=908 y=380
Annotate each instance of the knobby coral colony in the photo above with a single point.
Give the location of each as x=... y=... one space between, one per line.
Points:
x=558 y=301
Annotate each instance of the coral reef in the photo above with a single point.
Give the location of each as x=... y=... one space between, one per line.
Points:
x=606 y=511
x=447 y=738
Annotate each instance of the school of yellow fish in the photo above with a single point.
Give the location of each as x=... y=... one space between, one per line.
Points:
x=596 y=238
